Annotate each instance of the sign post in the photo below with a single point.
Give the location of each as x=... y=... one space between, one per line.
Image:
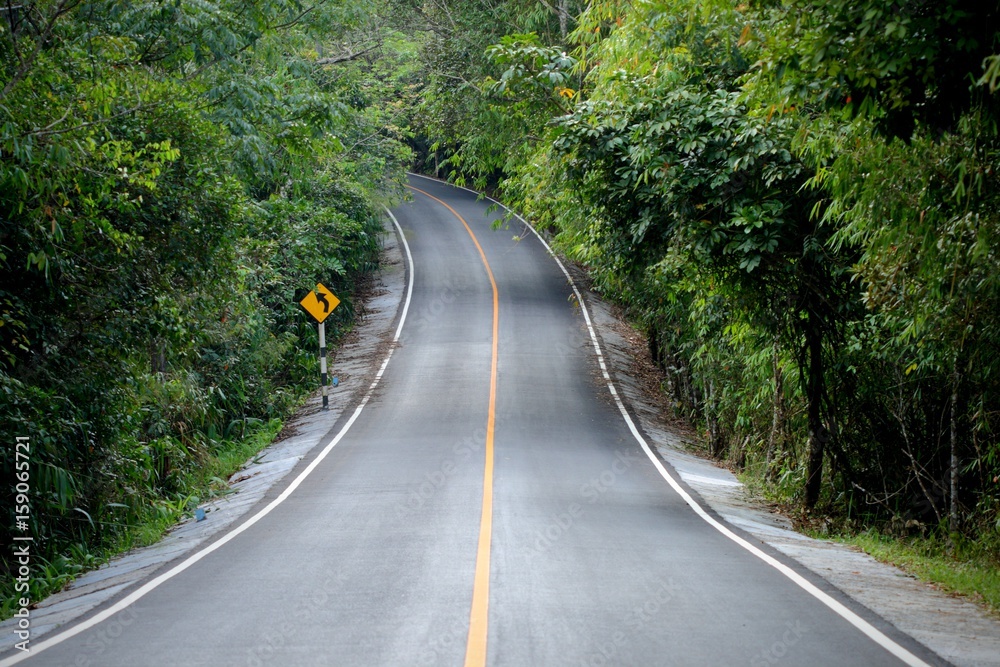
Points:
x=319 y=303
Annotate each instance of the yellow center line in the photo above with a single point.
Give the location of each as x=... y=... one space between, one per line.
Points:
x=475 y=648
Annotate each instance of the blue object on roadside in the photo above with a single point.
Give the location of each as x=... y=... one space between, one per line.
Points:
x=199 y=514
x=335 y=381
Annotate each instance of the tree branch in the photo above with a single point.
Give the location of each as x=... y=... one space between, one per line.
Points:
x=46 y=132
x=63 y=8
x=294 y=21
x=348 y=55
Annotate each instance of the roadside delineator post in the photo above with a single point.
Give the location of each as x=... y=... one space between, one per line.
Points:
x=322 y=363
x=319 y=303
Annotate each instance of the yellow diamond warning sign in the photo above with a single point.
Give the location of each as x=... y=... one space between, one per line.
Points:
x=320 y=302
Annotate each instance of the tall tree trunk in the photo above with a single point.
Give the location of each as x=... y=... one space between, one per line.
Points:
x=953 y=519
x=715 y=439
x=654 y=346
x=814 y=391
x=675 y=374
x=777 y=410
x=563 y=19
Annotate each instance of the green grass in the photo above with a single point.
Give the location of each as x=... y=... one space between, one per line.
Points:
x=206 y=482
x=970 y=568
x=967 y=567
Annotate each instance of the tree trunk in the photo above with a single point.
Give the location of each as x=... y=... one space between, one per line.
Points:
x=654 y=346
x=814 y=391
x=716 y=439
x=675 y=374
x=563 y=19
x=777 y=410
x=158 y=356
x=953 y=518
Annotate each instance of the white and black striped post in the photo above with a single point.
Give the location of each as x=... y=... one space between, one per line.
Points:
x=320 y=303
x=322 y=364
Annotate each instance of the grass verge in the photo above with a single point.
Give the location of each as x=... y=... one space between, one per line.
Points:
x=969 y=568
x=963 y=566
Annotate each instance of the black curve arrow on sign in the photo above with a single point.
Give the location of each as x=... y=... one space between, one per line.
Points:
x=321 y=297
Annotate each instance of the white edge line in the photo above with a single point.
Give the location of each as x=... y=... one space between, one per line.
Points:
x=149 y=586
x=409 y=282
x=861 y=624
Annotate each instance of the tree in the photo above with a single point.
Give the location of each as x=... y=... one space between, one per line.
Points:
x=909 y=187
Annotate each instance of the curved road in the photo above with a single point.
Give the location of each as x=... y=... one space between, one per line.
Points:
x=489 y=505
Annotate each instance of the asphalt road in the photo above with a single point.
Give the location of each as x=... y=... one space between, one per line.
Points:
x=584 y=555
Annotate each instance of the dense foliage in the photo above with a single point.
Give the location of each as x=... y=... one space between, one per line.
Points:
x=467 y=124
x=173 y=177
x=797 y=200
